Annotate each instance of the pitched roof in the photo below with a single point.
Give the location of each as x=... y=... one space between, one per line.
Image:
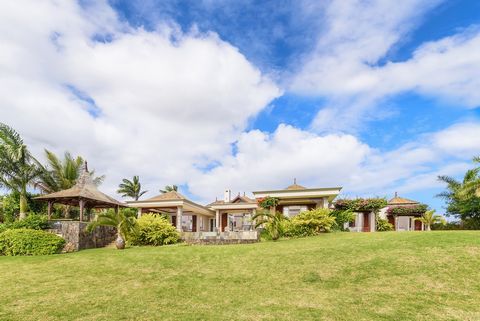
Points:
x=237 y=200
x=85 y=189
x=168 y=196
x=396 y=200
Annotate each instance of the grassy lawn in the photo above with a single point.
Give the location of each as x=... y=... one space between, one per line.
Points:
x=338 y=276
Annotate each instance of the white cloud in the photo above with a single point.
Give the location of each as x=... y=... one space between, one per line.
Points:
x=271 y=161
x=344 y=66
x=165 y=102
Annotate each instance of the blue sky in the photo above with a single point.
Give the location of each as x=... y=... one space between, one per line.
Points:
x=270 y=34
x=374 y=96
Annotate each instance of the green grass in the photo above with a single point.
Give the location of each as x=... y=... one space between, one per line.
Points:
x=338 y=276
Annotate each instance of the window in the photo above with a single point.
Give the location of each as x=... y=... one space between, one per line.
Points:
x=293 y=210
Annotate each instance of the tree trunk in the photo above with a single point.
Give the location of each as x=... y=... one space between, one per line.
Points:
x=23 y=204
x=427 y=227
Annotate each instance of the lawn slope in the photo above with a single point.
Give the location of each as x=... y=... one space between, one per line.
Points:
x=337 y=276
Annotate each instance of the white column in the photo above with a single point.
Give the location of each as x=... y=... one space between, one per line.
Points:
x=217 y=220
x=373 y=223
x=325 y=202
x=396 y=223
x=139 y=213
x=179 y=218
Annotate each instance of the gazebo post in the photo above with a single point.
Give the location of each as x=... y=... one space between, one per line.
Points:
x=81 y=204
x=116 y=210
x=49 y=210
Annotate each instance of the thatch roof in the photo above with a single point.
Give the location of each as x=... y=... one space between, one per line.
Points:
x=84 y=189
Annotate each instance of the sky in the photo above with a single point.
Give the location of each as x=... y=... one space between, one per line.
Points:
x=375 y=96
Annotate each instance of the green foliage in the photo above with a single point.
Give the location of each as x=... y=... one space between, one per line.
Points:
x=272 y=223
x=408 y=210
x=169 y=188
x=122 y=220
x=429 y=218
x=29 y=242
x=154 y=229
x=130 y=188
x=383 y=225
x=463 y=197
x=11 y=206
x=342 y=217
x=310 y=223
x=268 y=202
x=18 y=168
x=361 y=204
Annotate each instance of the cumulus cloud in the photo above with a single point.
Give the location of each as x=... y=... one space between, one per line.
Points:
x=346 y=66
x=157 y=104
x=266 y=161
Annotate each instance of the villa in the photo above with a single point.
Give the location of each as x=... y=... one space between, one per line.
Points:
x=232 y=214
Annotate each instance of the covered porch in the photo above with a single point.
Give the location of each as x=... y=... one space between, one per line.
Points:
x=185 y=215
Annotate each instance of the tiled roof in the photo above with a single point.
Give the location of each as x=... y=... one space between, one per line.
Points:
x=401 y=201
x=237 y=200
x=295 y=187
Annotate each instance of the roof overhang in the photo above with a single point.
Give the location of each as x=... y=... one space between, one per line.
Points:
x=185 y=204
x=309 y=193
x=234 y=206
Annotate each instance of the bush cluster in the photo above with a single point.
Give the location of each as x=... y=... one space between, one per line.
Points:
x=154 y=229
x=29 y=242
x=361 y=204
x=309 y=223
x=32 y=221
x=383 y=225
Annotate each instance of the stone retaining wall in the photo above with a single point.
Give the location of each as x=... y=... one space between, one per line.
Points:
x=77 y=237
x=206 y=238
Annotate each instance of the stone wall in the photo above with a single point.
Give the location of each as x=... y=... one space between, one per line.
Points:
x=76 y=235
x=240 y=237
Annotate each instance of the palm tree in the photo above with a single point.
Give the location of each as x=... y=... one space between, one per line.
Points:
x=124 y=223
x=18 y=168
x=60 y=174
x=429 y=217
x=130 y=188
x=272 y=221
x=169 y=188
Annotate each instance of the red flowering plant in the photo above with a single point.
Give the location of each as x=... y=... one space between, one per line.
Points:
x=361 y=204
x=267 y=202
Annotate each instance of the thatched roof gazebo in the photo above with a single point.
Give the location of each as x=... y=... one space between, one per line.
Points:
x=84 y=194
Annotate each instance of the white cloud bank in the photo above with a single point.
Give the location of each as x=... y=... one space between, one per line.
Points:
x=165 y=102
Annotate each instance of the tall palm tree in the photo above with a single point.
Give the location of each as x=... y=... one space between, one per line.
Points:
x=125 y=224
x=18 y=168
x=169 y=188
x=130 y=188
x=429 y=217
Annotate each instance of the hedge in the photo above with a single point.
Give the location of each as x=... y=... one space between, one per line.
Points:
x=29 y=242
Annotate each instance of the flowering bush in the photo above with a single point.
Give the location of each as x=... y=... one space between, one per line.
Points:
x=268 y=202
x=361 y=204
x=408 y=210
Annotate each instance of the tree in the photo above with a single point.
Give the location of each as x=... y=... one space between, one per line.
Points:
x=462 y=197
x=429 y=218
x=121 y=220
x=18 y=168
x=271 y=221
x=63 y=174
x=60 y=174
x=130 y=188
x=169 y=188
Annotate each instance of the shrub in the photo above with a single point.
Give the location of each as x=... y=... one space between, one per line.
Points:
x=342 y=217
x=29 y=242
x=361 y=204
x=32 y=221
x=383 y=225
x=309 y=223
x=154 y=229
